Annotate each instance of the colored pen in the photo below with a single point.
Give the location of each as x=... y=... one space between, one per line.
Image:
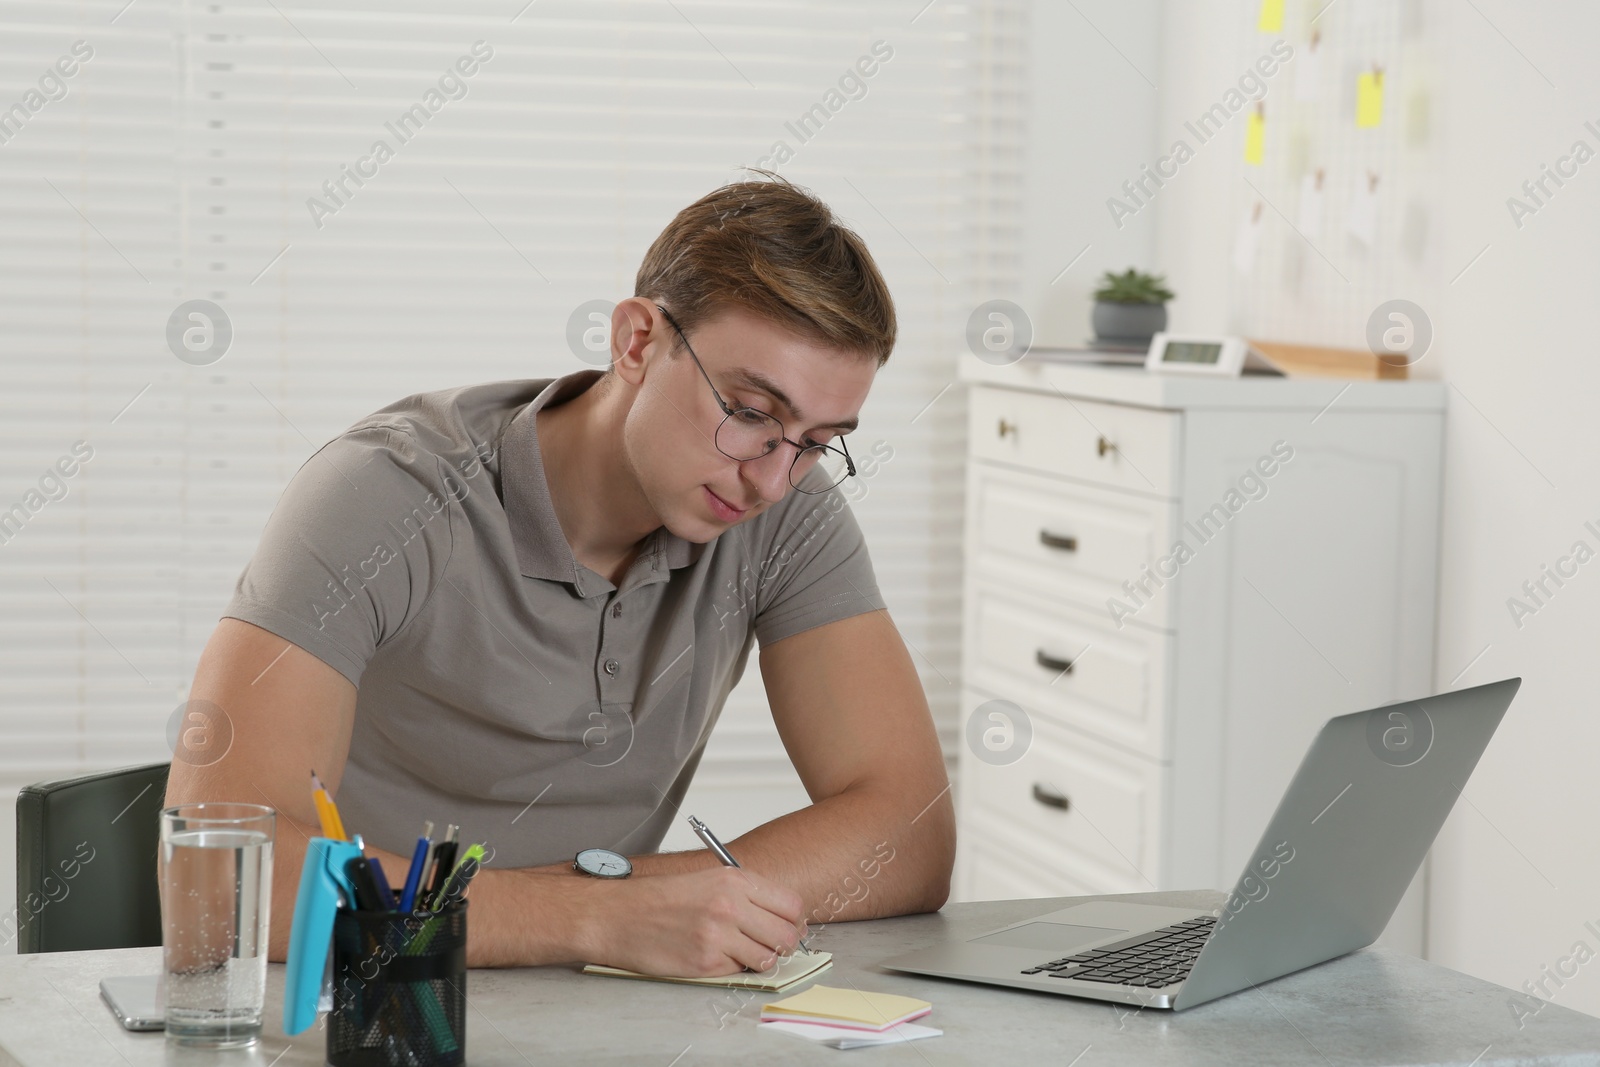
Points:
x=368 y=897
x=455 y=886
x=444 y=863
x=431 y=872
x=408 y=895
x=327 y=812
x=427 y=871
x=385 y=893
x=725 y=856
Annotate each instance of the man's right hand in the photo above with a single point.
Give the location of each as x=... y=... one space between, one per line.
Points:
x=694 y=925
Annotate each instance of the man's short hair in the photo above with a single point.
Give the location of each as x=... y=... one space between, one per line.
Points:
x=772 y=249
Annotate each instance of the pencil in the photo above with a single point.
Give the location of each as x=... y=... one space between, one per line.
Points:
x=332 y=827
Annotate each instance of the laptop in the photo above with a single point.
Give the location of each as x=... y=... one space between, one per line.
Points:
x=1341 y=850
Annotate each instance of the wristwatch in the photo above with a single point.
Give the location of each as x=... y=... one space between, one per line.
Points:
x=602 y=863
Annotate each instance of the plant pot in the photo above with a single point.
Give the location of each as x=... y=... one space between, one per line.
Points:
x=1128 y=324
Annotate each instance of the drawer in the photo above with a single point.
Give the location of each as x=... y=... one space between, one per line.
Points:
x=1071 y=803
x=1114 y=445
x=1024 y=528
x=1020 y=647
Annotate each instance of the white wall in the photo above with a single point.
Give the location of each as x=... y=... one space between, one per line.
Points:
x=1516 y=872
x=1190 y=222
x=1091 y=121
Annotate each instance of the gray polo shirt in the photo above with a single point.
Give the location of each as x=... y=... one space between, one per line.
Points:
x=502 y=685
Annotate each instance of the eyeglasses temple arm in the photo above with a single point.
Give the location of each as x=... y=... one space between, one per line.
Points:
x=849 y=463
x=721 y=403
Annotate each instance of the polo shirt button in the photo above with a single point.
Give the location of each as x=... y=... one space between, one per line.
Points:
x=616 y=610
x=612 y=666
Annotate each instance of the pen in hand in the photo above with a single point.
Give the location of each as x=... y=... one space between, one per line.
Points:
x=712 y=843
x=705 y=834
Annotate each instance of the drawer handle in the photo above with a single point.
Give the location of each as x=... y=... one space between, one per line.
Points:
x=1044 y=659
x=1050 y=540
x=1105 y=446
x=1007 y=427
x=1050 y=798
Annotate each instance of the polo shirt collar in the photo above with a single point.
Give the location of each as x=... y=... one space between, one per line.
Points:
x=541 y=546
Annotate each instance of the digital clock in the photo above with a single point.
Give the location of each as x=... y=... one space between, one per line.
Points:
x=1222 y=357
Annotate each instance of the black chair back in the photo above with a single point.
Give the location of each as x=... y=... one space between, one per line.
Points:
x=86 y=861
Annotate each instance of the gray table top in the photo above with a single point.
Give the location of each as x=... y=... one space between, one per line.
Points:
x=1371 y=1007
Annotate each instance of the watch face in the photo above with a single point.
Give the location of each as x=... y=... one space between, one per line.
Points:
x=603 y=863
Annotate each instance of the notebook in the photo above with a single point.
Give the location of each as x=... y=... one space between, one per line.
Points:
x=791 y=969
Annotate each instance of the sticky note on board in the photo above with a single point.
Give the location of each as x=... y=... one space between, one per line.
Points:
x=1255 y=138
x=1369 y=99
x=1271 y=20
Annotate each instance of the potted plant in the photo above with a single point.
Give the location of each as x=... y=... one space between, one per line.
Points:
x=1130 y=308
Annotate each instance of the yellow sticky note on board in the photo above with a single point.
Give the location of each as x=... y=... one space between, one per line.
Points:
x=1271 y=20
x=1255 y=138
x=1369 y=99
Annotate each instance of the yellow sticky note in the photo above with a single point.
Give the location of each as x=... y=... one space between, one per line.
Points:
x=1271 y=20
x=1255 y=138
x=1369 y=99
x=847 y=1005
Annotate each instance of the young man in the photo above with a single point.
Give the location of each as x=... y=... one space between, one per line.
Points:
x=519 y=607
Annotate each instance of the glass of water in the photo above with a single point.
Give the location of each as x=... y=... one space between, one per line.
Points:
x=216 y=886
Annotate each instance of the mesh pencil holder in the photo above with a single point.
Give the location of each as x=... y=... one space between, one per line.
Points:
x=399 y=989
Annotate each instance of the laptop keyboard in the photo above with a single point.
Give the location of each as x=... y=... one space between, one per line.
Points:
x=1159 y=958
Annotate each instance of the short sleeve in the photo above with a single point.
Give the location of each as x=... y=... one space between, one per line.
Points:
x=815 y=569
x=353 y=549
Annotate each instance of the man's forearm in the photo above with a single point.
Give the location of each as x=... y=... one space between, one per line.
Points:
x=529 y=917
x=861 y=854
x=519 y=918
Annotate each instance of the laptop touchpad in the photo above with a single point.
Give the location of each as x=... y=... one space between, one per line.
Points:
x=1047 y=937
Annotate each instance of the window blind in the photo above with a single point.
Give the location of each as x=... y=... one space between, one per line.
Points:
x=228 y=152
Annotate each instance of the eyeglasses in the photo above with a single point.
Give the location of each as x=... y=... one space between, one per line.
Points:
x=747 y=433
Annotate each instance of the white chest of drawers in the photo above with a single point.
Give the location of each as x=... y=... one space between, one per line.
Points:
x=1176 y=582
